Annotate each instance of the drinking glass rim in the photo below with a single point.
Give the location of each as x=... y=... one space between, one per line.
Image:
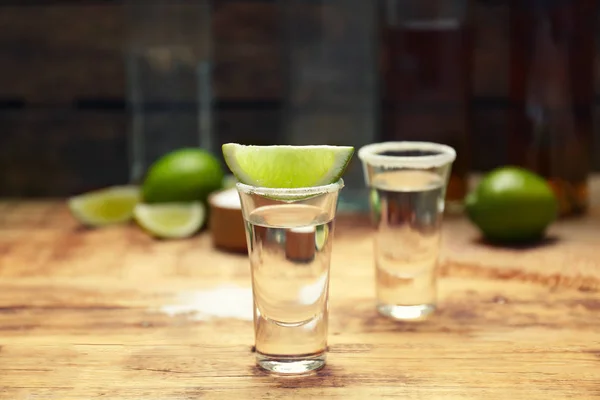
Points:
x=370 y=154
x=290 y=193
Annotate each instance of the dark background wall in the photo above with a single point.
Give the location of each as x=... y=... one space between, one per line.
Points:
x=63 y=121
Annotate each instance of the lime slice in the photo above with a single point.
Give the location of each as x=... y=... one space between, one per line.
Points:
x=170 y=220
x=321 y=236
x=105 y=206
x=287 y=166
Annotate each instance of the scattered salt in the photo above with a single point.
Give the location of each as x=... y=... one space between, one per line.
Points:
x=221 y=302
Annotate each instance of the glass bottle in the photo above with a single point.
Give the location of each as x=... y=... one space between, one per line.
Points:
x=168 y=78
x=330 y=86
x=552 y=89
x=426 y=56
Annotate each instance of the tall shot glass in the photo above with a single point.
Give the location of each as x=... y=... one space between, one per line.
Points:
x=408 y=183
x=290 y=234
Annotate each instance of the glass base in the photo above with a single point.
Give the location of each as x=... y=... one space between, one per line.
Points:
x=406 y=313
x=291 y=365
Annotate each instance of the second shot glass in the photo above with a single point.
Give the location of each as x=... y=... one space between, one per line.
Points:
x=408 y=182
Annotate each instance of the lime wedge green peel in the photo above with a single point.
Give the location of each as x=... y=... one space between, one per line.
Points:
x=105 y=206
x=171 y=220
x=287 y=166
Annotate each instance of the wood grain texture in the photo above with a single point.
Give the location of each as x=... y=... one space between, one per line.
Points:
x=114 y=314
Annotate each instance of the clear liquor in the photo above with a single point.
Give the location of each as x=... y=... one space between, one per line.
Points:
x=290 y=250
x=408 y=213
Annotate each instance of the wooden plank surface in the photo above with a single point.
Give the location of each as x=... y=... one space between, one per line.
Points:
x=114 y=314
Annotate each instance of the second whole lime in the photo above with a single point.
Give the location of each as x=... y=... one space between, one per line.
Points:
x=512 y=204
x=183 y=175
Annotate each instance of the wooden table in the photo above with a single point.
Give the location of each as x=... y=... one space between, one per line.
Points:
x=113 y=314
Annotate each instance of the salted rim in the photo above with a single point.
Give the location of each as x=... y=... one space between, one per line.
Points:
x=289 y=193
x=370 y=154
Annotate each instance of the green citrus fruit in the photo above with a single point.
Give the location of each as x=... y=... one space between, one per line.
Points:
x=171 y=220
x=107 y=206
x=287 y=166
x=183 y=175
x=512 y=204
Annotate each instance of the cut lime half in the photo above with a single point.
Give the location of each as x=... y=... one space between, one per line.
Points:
x=105 y=206
x=170 y=220
x=287 y=166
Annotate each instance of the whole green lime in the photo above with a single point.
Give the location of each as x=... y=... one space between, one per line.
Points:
x=183 y=175
x=512 y=204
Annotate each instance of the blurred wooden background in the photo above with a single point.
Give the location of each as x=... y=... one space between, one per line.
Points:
x=63 y=122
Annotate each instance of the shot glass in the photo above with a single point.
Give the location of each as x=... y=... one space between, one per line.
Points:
x=290 y=235
x=407 y=182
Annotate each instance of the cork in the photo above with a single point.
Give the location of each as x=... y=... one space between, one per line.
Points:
x=226 y=222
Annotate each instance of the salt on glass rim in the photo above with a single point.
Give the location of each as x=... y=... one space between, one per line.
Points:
x=371 y=154
x=290 y=193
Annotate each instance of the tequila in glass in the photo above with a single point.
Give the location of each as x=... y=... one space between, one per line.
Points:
x=289 y=234
x=408 y=182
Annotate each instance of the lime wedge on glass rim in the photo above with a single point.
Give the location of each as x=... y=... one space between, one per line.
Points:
x=107 y=206
x=287 y=167
x=170 y=220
